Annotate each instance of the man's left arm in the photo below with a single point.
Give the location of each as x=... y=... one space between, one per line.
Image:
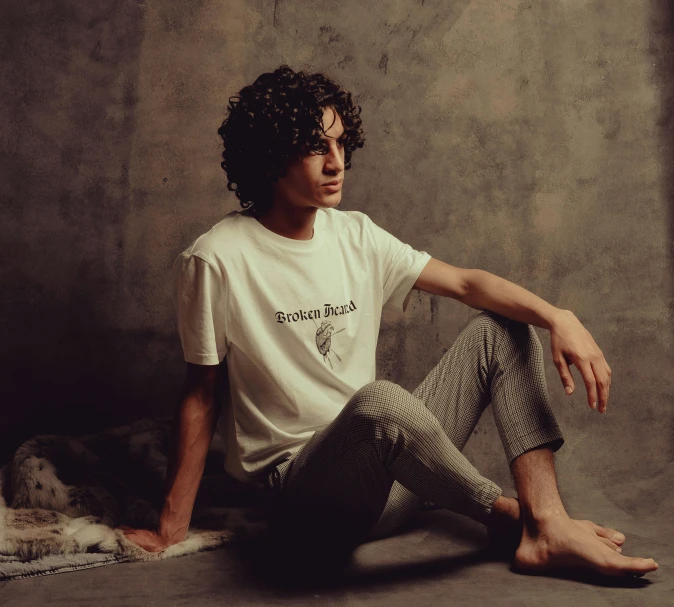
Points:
x=571 y=343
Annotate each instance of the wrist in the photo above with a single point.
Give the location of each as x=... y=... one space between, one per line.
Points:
x=170 y=532
x=171 y=538
x=558 y=316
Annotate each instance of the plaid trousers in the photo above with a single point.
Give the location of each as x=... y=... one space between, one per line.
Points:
x=388 y=451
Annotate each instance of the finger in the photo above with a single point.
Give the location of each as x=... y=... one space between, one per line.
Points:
x=602 y=383
x=565 y=374
x=585 y=369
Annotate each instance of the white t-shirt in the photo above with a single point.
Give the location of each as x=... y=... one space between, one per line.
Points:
x=298 y=322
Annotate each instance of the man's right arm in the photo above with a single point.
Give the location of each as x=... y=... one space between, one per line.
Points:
x=193 y=427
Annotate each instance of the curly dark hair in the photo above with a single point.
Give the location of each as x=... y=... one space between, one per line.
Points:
x=276 y=121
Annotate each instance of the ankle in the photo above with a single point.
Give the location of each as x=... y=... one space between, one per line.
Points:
x=538 y=515
x=504 y=509
x=506 y=506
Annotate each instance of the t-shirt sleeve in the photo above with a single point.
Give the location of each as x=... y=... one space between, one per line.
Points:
x=199 y=301
x=399 y=267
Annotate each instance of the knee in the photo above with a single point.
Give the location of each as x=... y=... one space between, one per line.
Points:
x=507 y=337
x=384 y=411
x=522 y=336
x=380 y=401
x=489 y=321
x=499 y=325
x=512 y=338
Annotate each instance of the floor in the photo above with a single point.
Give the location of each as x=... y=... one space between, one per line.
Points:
x=442 y=557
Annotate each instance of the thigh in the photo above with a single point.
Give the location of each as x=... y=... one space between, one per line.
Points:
x=335 y=487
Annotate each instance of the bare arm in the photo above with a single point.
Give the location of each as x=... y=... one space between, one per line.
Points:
x=570 y=341
x=193 y=427
x=192 y=432
x=483 y=290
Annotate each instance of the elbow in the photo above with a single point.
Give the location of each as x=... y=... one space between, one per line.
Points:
x=469 y=291
x=465 y=286
x=199 y=400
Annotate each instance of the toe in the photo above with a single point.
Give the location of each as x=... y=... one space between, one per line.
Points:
x=615 y=536
x=617 y=564
x=611 y=544
x=633 y=565
x=610 y=534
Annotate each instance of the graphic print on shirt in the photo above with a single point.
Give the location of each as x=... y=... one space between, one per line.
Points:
x=324 y=335
x=326 y=330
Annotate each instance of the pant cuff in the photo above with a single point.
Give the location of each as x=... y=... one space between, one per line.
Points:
x=551 y=436
x=486 y=498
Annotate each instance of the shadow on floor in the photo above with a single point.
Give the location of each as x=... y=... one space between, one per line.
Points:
x=264 y=564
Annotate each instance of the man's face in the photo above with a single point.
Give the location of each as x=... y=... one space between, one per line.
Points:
x=304 y=184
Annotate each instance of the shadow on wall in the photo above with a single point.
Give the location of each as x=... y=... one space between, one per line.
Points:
x=662 y=51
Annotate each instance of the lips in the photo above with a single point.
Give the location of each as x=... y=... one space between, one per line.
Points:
x=334 y=182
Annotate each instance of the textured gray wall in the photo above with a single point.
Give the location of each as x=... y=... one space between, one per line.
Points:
x=530 y=139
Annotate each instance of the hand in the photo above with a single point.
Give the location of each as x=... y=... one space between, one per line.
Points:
x=146 y=539
x=572 y=344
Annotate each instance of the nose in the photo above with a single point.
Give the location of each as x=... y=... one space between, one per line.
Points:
x=333 y=161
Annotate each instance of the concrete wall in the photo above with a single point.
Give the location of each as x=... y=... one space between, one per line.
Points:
x=530 y=139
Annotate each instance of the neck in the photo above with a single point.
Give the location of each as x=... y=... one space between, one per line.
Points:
x=292 y=222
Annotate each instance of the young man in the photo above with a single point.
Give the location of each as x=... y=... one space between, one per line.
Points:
x=287 y=297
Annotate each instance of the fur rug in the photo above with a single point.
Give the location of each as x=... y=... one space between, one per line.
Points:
x=62 y=499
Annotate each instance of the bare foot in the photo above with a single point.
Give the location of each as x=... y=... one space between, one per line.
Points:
x=612 y=538
x=556 y=540
x=505 y=530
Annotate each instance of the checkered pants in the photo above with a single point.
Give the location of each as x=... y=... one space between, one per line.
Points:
x=388 y=451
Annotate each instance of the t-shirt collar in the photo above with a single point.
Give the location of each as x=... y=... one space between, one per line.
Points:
x=266 y=236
